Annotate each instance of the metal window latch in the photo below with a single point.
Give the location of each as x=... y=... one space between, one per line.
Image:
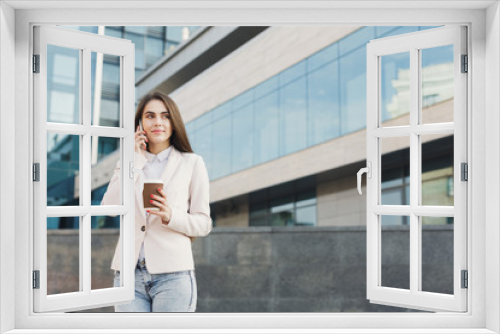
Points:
x=465 y=64
x=368 y=171
x=36 y=172
x=36 y=63
x=36 y=279
x=465 y=279
x=464 y=171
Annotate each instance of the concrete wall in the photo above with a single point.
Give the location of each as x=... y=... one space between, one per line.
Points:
x=279 y=269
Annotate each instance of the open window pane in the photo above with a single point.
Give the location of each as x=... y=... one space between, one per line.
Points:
x=394 y=170
x=437 y=84
x=105 y=235
x=395 y=254
x=63 y=170
x=105 y=153
x=105 y=89
x=63 y=255
x=395 y=87
x=437 y=254
x=63 y=84
x=72 y=171
x=436 y=147
x=437 y=170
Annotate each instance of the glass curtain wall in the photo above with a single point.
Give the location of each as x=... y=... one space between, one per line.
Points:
x=318 y=99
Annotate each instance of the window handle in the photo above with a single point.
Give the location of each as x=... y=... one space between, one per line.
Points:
x=368 y=171
x=132 y=170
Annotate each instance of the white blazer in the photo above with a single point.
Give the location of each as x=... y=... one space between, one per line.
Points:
x=168 y=248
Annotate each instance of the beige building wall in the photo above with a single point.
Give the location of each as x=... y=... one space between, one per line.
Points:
x=233 y=215
x=340 y=204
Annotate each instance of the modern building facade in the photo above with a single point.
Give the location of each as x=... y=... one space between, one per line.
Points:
x=282 y=128
x=277 y=113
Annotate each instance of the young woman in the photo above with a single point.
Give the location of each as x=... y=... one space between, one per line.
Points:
x=164 y=267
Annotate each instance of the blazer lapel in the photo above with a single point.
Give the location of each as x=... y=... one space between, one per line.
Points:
x=172 y=163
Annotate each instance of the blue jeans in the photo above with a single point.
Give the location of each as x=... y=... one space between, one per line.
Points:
x=170 y=292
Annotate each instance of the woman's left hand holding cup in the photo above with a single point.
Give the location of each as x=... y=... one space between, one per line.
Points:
x=165 y=212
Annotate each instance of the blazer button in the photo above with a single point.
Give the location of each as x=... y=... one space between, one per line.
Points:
x=143 y=228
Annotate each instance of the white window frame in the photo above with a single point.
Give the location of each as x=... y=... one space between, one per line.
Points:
x=484 y=103
x=85 y=43
x=411 y=44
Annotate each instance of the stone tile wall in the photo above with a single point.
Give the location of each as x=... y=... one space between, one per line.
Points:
x=283 y=269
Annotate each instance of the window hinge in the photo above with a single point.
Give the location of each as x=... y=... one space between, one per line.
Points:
x=36 y=63
x=36 y=279
x=36 y=172
x=465 y=64
x=465 y=279
x=464 y=171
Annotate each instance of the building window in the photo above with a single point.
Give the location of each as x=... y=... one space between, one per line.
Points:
x=288 y=204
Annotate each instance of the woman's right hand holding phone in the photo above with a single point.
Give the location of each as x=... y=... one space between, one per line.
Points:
x=140 y=141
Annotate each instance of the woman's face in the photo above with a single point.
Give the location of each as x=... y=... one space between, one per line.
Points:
x=156 y=123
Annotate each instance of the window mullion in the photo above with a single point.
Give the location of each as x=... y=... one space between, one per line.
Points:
x=85 y=178
x=414 y=171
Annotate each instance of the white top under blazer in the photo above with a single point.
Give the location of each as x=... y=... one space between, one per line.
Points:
x=168 y=248
x=152 y=171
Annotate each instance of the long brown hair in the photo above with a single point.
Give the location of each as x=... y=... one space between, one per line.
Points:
x=179 y=136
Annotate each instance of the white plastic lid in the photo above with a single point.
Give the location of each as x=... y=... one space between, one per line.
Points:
x=154 y=181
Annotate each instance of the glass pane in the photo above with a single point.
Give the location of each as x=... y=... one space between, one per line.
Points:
x=154 y=50
x=395 y=252
x=395 y=87
x=259 y=221
x=242 y=99
x=63 y=165
x=177 y=34
x=258 y=209
x=63 y=255
x=63 y=85
x=205 y=147
x=437 y=84
x=284 y=218
x=267 y=128
x=221 y=156
x=306 y=216
x=437 y=170
x=323 y=104
x=296 y=71
x=293 y=116
x=437 y=254
x=353 y=91
x=323 y=57
x=105 y=153
x=104 y=238
x=394 y=169
x=138 y=41
x=105 y=89
x=266 y=87
x=242 y=150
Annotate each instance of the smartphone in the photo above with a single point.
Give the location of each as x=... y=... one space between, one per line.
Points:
x=141 y=128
